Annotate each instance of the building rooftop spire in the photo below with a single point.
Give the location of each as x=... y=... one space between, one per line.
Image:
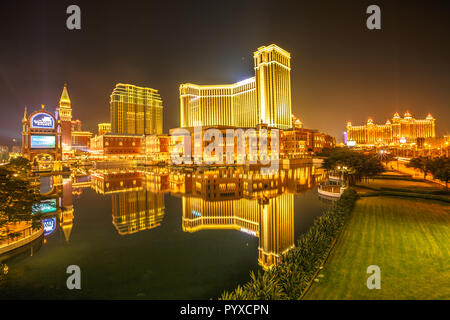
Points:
x=65 y=99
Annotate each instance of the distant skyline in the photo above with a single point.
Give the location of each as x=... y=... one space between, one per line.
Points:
x=341 y=71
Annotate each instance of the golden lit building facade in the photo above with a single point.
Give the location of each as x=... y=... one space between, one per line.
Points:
x=228 y=105
x=104 y=128
x=273 y=86
x=395 y=131
x=231 y=145
x=136 y=110
x=265 y=98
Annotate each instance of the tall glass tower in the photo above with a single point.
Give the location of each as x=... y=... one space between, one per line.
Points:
x=136 y=110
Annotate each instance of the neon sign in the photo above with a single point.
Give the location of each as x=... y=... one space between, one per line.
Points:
x=351 y=143
x=42 y=121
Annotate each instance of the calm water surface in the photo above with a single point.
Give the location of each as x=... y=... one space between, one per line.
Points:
x=161 y=233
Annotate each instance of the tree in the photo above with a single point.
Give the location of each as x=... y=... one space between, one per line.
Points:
x=17 y=199
x=20 y=165
x=424 y=164
x=386 y=157
x=358 y=165
x=440 y=169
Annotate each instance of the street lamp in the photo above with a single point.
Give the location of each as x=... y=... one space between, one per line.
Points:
x=342 y=169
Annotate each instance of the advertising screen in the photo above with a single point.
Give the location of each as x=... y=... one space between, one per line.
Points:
x=42 y=142
x=42 y=121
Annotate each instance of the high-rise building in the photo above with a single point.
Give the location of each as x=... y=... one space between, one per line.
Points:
x=394 y=131
x=64 y=111
x=136 y=110
x=273 y=86
x=228 y=105
x=265 y=98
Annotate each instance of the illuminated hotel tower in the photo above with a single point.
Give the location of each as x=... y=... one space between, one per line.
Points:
x=273 y=86
x=265 y=98
x=64 y=111
x=209 y=105
x=136 y=110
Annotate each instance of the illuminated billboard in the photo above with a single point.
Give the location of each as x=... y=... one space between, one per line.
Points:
x=45 y=206
x=43 y=142
x=42 y=121
x=351 y=143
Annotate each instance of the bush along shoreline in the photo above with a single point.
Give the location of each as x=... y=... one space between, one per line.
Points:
x=288 y=279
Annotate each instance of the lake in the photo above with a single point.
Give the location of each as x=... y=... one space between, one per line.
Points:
x=162 y=233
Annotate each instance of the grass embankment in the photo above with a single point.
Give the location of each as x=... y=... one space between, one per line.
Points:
x=409 y=239
x=399 y=188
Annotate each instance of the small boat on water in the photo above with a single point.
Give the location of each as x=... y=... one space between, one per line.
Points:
x=331 y=189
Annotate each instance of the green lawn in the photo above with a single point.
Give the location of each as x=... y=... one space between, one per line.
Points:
x=403 y=184
x=408 y=239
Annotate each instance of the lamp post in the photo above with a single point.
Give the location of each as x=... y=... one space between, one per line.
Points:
x=342 y=169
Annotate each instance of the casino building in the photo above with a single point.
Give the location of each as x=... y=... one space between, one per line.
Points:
x=136 y=110
x=41 y=136
x=395 y=131
x=262 y=99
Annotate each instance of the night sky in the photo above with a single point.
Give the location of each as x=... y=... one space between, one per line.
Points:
x=340 y=70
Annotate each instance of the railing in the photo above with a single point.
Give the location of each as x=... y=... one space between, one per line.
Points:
x=5 y=239
x=330 y=188
x=334 y=177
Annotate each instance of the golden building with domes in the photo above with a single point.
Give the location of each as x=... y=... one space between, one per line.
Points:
x=395 y=131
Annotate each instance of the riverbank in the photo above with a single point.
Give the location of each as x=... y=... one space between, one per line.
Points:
x=407 y=237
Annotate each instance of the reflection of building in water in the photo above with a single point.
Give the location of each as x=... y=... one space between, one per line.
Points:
x=137 y=198
x=180 y=182
x=272 y=221
x=234 y=183
x=137 y=211
x=66 y=215
x=247 y=200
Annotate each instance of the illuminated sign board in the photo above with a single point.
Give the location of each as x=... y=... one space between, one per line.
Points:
x=42 y=121
x=351 y=143
x=42 y=142
x=45 y=206
x=402 y=140
x=49 y=225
